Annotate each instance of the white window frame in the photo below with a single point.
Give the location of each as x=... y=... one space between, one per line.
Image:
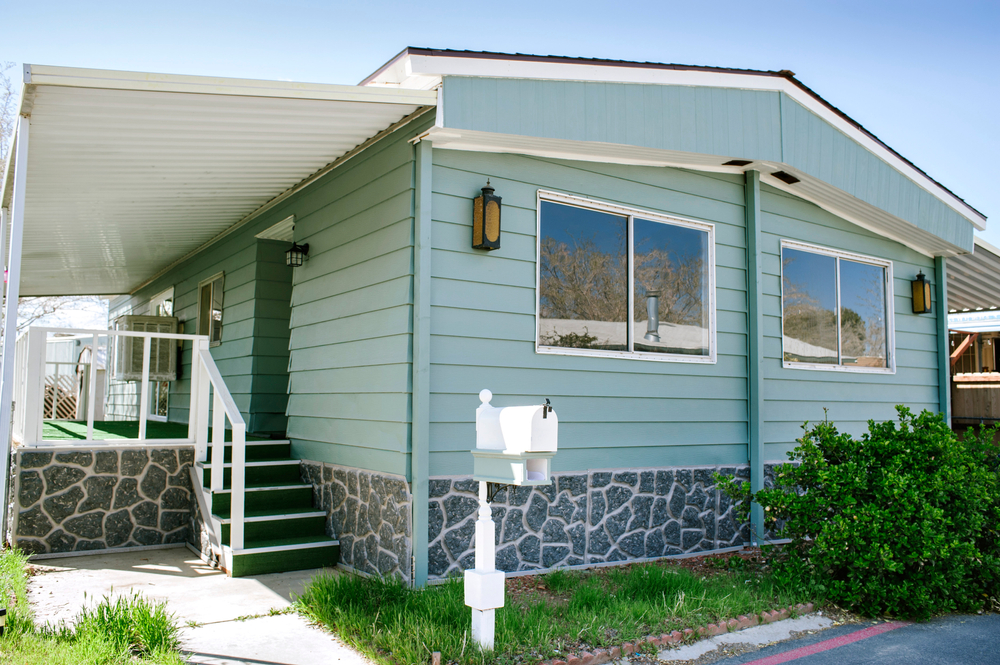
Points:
x=154 y=386
x=219 y=277
x=630 y=213
x=890 y=318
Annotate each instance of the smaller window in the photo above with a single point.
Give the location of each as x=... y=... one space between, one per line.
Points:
x=836 y=310
x=162 y=304
x=210 y=309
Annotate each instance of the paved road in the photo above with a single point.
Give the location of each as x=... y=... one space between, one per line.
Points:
x=951 y=640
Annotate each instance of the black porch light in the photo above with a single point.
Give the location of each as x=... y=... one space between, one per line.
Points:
x=295 y=256
x=486 y=220
x=921 y=294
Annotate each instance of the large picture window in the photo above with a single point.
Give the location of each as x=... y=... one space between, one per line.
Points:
x=836 y=310
x=616 y=281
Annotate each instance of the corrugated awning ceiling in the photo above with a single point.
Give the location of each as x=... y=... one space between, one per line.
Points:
x=974 y=279
x=128 y=173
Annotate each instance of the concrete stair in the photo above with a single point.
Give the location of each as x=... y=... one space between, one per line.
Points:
x=282 y=530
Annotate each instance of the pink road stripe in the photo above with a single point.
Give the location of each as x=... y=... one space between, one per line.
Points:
x=826 y=645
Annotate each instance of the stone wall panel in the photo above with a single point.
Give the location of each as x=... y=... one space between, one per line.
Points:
x=369 y=513
x=85 y=500
x=586 y=518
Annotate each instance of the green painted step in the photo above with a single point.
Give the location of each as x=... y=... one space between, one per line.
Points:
x=258 y=450
x=269 y=498
x=307 y=526
x=286 y=554
x=259 y=473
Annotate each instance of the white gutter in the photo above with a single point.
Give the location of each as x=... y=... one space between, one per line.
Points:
x=10 y=307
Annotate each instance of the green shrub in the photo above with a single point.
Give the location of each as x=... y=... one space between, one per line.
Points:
x=900 y=522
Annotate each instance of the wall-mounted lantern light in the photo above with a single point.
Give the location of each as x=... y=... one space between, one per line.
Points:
x=486 y=220
x=296 y=256
x=921 y=294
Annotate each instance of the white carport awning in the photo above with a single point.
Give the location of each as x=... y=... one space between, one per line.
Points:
x=974 y=280
x=127 y=173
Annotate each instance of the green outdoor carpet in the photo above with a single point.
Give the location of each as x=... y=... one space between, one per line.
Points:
x=65 y=430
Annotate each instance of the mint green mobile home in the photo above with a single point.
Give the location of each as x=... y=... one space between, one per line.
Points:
x=692 y=262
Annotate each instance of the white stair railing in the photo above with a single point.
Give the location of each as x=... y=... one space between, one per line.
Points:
x=206 y=374
x=210 y=398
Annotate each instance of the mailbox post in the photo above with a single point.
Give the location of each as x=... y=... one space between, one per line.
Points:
x=514 y=446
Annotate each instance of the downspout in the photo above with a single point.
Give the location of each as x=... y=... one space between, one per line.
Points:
x=10 y=309
x=421 y=385
x=944 y=358
x=755 y=326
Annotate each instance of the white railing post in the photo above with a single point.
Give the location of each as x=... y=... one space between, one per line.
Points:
x=92 y=388
x=144 y=389
x=218 y=440
x=201 y=408
x=238 y=484
x=35 y=386
x=55 y=392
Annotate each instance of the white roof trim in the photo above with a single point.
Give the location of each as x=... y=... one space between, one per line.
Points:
x=425 y=71
x=115 y=80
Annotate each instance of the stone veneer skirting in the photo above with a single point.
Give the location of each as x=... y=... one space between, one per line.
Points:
x=586 y=518
x=95 y=498
x=368 y=512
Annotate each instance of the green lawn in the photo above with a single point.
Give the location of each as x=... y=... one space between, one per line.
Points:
x=68 y=430
x=544 y=617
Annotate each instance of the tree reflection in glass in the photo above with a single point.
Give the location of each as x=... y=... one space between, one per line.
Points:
x=583 y=287
x=809 y=307
x=862 y=314
x=670 y=302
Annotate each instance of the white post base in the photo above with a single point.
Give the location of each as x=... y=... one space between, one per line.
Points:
x=484 y=585
x=483 y=628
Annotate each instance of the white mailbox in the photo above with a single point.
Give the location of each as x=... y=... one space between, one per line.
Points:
x=514 y=444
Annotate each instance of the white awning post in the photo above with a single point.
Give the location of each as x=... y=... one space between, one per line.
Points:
x=20 y=163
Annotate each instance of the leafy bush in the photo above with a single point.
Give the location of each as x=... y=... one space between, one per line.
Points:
x=902 y=522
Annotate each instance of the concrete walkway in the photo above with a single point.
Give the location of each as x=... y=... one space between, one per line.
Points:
x=211 y=608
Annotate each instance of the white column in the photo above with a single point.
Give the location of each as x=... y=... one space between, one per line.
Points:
x=484 y=586
x=20 y=163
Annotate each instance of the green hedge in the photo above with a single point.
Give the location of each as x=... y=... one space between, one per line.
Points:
x=903 y=521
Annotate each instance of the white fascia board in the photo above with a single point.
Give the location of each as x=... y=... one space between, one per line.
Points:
x=419 y=67
x=115 y=80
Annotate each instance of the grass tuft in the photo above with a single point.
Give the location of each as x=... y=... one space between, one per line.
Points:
x=126 y=631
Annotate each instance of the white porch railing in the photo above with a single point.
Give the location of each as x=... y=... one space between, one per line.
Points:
x=209 y=397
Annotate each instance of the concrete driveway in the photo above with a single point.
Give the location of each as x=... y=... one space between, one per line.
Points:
x=214 y=610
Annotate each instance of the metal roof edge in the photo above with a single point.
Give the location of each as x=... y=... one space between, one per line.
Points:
x=184 y=83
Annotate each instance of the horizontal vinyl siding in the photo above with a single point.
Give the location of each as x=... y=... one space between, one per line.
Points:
x=613 y=412
x=351 y=320
x=794 y=396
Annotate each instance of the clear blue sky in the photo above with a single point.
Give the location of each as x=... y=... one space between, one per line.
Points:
x=922 y=76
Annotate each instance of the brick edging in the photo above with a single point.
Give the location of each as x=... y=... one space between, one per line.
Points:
x=679 y=636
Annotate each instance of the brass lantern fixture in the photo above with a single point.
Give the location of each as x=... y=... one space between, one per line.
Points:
x=486 y=220
x=296 y=256
x=921 y=294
